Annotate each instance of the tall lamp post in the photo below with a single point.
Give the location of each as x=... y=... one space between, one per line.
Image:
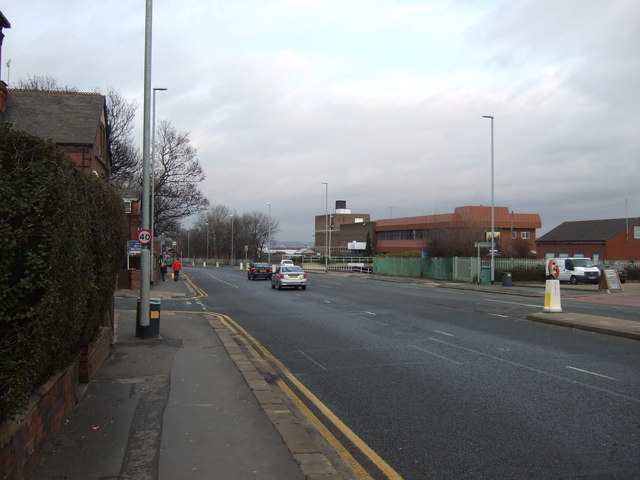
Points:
x=269 y=237
x=152 y=201
x=231 y=256
x=143 y=316
x=326 y=225
x=493 y=246
x=207 y=224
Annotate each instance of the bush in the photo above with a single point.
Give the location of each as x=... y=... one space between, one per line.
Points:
x=62 y=239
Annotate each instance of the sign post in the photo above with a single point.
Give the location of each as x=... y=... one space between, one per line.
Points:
x=480 y=245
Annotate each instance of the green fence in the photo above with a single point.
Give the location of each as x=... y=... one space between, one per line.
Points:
x=436 y=268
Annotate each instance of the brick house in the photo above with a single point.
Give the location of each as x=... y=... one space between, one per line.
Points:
x=612 y=239
x=76 y=122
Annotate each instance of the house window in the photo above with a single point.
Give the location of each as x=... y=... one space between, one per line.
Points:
x=127 y=206
x=525 y=235
x=636 y=232
x=514 y=234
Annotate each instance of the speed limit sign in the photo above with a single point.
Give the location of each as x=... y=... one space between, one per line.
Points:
x=144 y=237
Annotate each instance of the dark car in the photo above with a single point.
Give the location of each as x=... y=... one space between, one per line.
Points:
x=622 y=273
x=259 y=270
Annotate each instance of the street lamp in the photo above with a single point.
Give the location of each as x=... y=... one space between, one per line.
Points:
x=269 y=237
x=143 y=316
x=207 y=224
x=152 y=186
x=231 y=257
x=493 y=246
x=326 y=225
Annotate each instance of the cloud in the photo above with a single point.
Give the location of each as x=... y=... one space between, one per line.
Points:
x=383 y=99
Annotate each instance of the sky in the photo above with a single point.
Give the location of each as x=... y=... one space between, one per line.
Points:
x=381 y=99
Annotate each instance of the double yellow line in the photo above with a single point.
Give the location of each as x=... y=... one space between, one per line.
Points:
x=261 y=354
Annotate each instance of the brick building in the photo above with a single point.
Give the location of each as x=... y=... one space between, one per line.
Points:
x=343 y=227
x=76 y=122
x=513 y=231
x=612 y=239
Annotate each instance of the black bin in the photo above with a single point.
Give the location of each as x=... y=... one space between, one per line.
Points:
x=153 y=329
x=506 y=279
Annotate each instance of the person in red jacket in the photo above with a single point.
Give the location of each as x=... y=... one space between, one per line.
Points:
x=176 y=267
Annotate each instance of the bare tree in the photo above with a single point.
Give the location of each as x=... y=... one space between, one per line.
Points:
x=454 y=241
x=250 y=229
x=176 y=173
x=125 y=156
x=44 y=83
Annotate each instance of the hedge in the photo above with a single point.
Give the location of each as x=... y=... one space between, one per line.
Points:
x=62 y=240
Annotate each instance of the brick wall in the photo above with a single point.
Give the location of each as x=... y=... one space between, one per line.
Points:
x=94 y=355
x=22 y=443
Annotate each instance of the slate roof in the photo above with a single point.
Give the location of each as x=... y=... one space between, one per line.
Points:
x=67 y=118
x=588 y=230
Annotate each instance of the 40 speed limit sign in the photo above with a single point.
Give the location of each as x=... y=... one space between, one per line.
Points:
x=144 y=237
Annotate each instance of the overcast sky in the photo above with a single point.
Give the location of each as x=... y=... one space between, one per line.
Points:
x=382 y=99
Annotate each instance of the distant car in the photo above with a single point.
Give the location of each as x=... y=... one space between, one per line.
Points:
x=259 y=270
x=286 y=262
x=289 y=276
x=622 y=273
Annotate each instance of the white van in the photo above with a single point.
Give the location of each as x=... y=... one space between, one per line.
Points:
x=572 y=269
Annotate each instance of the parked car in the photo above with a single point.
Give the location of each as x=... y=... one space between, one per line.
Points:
x=622 y=273
x=289 y=276
x=259 y=270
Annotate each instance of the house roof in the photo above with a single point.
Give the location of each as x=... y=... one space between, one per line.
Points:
x=588 y=230
x=503 y=218
x=69 y=118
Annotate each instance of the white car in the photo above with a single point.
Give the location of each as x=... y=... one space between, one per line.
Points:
x=289 y=276
x=288 y=263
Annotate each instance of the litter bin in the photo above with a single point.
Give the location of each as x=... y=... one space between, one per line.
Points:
x=506 y=279
x=153 y=329
x=485 y=275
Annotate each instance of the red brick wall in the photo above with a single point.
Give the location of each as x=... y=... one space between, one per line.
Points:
x=94 y=355
x=22 y=444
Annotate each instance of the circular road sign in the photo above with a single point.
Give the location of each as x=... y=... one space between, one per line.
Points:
x=144 y=237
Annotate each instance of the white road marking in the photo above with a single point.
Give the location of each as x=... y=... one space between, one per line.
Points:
x=436 y=355
x=499 y=315
x=444 y=333
x=326 y=301
x=512 y=303
x=590 y=373
x=541 y=372
x=371 y=313
x=220 y=280
x=313 y=361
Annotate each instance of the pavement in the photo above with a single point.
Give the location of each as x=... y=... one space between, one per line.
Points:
x=193 y=404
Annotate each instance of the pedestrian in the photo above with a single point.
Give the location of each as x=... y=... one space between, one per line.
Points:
x=176 y=267
x=163 y=270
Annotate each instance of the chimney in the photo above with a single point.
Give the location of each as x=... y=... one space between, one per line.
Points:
x=3 y=96
x=4 y=23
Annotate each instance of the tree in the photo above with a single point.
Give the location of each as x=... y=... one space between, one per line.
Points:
x=176 y=173
x=456 y=241
x=126 y=162
x=44 y=83
x=368 y=249
x=251 y=229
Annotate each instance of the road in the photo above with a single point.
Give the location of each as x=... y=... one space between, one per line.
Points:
x=448 y=383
